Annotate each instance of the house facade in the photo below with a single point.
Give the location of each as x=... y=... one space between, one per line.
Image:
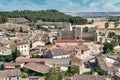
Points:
x=58 y=53
x=14 y=74
x=23 y=47
x=36 y=43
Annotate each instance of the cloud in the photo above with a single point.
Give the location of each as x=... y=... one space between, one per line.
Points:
x=62 y=5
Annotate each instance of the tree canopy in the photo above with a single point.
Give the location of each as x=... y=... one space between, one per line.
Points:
x=16 y=53
x=106 y=25
x=116 y=24
x=108 y=47
x=45 y=15
x=3 y=19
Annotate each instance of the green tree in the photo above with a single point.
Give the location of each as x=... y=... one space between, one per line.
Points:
x=74 y=69
x=51 y=75
x=108 y=47
x=106 y=25
x=13 y=30
x=116 y=38
x=116 y=24
x=6 y=58
x=16 y=53
x=45 y=15
x=60 y=76
x=3 y=19
x=93 y=70
x=21 y=29
x=24 y=75
x=85 y=29
x=39 y=26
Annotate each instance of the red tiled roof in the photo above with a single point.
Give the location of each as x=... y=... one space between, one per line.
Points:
x=24 y=59
x=20 y=43
x=13 y=72
x=82 y=47
x=40 y=68
x=65 y=41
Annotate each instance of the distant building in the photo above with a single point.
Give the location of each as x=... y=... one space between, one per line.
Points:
x=5 y=51
x=14 y=74
x=84 y=77
x=58 y=53
x=66 y=42
x=67 y=26
x=23 y=47
x=103 y=65
x=28 y=60
x=39 y=68
x=78 y=34
x=36 y=43
x=6 y=43
x=65 y=35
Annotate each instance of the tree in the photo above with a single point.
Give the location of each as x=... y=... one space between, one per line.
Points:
x=21 y=29
x=106 y=25
x=85 y=29
x=108 y=47
x=13 y=30
x=45 y=15
x=16 y=53
x=51 y=74
x=116 y=24
x=24 y=75
x=116 y=38
x=3 y=19
x=6 y=58
x=74 y=69
x=39 y=26
x=97 y=70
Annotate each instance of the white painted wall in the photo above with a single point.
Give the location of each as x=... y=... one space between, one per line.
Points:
x=37 y=43
x=61 y=56
x=24 y=49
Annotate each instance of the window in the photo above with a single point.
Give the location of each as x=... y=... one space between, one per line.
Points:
x=9 y=78
x=17 y=78
x=21 y=46
x=25 y=46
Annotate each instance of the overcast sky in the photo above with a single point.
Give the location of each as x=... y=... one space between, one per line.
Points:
x=62 y=5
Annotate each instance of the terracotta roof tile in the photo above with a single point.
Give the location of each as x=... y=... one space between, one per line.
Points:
x=14 y=72
x=24 y=59
x=84 y=77
x=37 y=67
x=19 y=43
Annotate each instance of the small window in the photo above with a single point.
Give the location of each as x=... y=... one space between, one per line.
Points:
x=21 y=46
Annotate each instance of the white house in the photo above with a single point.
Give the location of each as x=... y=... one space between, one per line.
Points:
x=37 y=43
x=23 y=47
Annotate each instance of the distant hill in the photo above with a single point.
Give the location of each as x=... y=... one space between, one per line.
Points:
x=45 y=15
x=93 y=14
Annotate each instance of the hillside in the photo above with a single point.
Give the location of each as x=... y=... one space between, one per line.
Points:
x=93 y=14
x=45 y=15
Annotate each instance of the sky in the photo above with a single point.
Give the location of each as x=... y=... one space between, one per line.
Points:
x=62 y=5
